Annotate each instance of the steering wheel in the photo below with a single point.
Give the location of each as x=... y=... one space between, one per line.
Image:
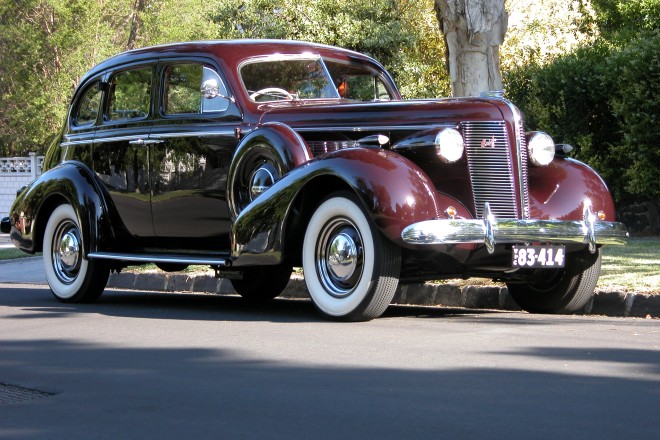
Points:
x=271 y=91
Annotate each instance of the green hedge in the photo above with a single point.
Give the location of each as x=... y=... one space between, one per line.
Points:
x=603 y=100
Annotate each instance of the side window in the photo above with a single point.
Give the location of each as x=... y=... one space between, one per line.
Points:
x=357 y=82
x=193 y=89
x=88 y=106
x=130 y=94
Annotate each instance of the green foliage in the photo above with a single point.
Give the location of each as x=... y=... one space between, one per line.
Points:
x=604 y=99
x=393 y=32
x=47 y=45
x=621 y=20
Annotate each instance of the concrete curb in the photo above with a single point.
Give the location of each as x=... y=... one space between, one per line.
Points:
x=474 y=297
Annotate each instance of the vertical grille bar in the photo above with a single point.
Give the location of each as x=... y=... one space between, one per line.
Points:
x=490 y=164
x=524 y=180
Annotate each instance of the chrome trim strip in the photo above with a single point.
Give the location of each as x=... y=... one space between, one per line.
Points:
x=371 y=128
x=157 y=258
x=122 y=138
x=192 y=133
x=71 y=143
x=523 y=190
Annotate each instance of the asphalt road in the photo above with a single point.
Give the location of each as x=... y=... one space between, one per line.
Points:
x=153 y=365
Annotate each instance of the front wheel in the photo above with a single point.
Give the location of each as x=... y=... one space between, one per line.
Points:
x=351 y=270
x=562 y=291
x=71 y=277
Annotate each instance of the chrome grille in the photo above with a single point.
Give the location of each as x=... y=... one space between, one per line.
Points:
x=491 y=170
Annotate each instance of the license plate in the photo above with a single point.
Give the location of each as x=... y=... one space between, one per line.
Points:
x=538 y=256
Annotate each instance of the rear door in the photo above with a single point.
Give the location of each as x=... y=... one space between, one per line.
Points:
x=121 y=152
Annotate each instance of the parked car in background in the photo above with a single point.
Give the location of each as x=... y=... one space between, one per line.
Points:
x=254 y=157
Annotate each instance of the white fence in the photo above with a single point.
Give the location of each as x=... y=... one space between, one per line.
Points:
x=16 y=172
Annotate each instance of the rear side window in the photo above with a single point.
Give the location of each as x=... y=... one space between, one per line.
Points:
x=130 y=94
x=193 y=89
x=88 y=106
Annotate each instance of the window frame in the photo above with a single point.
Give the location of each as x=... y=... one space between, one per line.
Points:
x=164 y=64
x=107 y=119
x=93 y=84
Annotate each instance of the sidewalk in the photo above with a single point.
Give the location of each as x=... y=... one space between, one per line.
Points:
x=30 y=271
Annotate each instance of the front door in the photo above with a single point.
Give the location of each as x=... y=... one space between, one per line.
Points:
x=192 y=146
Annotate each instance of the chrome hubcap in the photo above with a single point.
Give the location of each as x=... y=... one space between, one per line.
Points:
x=342 y=257
x=66 y=252
x=263 y=178
x=339 y=257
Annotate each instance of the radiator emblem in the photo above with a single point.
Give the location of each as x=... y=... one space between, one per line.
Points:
x=488 y=143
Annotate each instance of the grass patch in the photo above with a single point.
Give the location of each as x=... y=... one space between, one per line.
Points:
x=631 y=268
x=12 y=254
x=151 y=268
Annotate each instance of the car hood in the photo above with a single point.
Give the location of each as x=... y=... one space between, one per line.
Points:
x=355 y=116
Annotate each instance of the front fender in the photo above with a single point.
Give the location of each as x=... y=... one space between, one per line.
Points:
x=70 y=182
x=558 y=191
x=394 y=191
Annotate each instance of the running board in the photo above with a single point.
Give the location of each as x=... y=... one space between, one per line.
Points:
x=157 y=258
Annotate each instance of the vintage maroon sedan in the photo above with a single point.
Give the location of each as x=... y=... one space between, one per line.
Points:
x=254 y=157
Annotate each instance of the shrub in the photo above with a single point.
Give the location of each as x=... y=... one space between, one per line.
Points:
x=604 y=101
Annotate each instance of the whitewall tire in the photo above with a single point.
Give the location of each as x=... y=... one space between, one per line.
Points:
x=351 y=270
x=71 y=277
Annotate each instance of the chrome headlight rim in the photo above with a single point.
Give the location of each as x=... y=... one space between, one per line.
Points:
x=449 y=145
x=541 y=148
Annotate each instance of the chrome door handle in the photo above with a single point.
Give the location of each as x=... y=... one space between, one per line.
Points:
x=145 y=142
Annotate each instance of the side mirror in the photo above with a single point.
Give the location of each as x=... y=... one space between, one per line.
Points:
x=210 y=89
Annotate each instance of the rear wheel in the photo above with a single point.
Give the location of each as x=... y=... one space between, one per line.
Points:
x=71 y=277
x=262 y=283
x=351 y=269
x=562 y=291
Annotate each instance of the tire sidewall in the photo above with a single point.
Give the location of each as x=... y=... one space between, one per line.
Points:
x=61 y=290
x=339 y=206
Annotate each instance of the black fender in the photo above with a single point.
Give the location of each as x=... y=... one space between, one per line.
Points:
x=274 y=141
x=394 y=191
x=70 y=182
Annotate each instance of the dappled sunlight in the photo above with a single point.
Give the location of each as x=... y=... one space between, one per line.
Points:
x=632 y=268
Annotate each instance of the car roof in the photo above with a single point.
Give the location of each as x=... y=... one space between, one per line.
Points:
x=232 y=52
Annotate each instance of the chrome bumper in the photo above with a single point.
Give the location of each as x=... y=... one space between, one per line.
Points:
x=491 y=231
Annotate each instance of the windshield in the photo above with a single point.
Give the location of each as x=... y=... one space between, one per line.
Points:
x=279 y=79
x=274 y=80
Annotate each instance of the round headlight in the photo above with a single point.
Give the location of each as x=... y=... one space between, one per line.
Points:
x=541 y=148
x=449 y=145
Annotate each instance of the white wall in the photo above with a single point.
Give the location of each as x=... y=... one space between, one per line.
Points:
x=16 y=172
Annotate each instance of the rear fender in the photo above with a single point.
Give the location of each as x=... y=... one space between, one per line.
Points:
x=70 y=182
x=393 y=190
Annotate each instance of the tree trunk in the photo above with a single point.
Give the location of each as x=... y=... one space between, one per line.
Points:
x=135 y=19
x=473 y=31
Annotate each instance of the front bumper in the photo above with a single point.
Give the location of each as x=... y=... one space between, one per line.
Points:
x=491 y=231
